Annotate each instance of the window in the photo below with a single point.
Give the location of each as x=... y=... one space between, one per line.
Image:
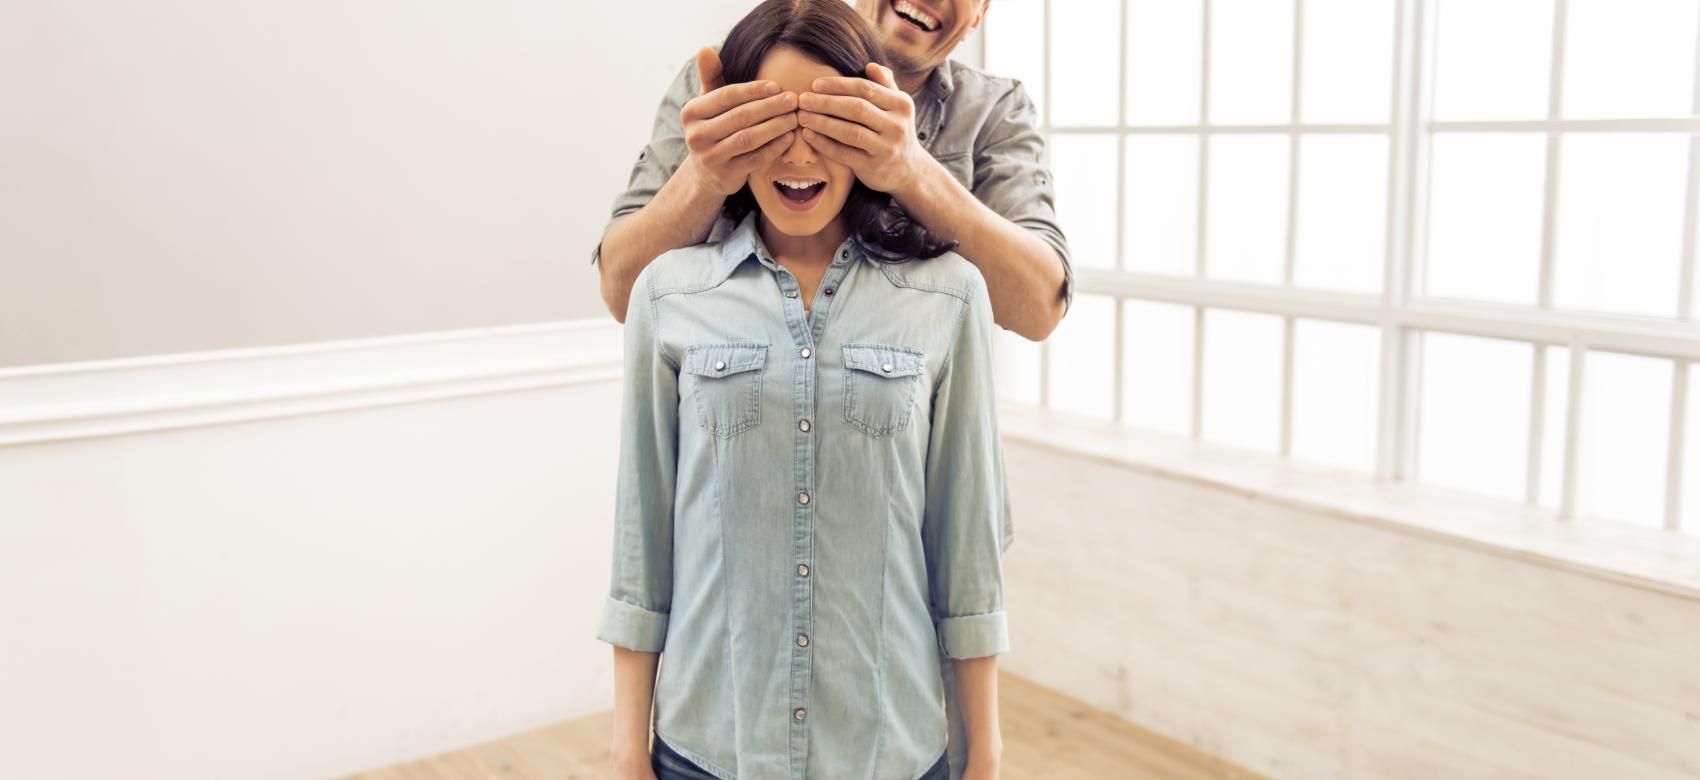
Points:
x=1446 y=241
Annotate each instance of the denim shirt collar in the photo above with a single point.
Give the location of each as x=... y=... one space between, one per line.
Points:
x=744 y=243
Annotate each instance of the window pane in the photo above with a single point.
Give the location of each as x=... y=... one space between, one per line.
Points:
x=1348 y=60
x=1474 y=414
x=1242 y=378
x=1165 y=45
x=1251 y=61
x=1157 y=380
x=1625 y=422
x=1492 y=59
x=1083 y=358
x=1085 y=171
x=1016 y=372
x=1629 y=58
x=1084 y=60
x=1247 y=221
x=1553 y=424
x=1015 y=45
x=1342 y=236
x=1161 y=214
x=1619 y=239
x=1336 y=375
x=1485 y=216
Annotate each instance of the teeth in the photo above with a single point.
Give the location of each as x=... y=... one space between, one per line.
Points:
x=796 y=185
x=908 y=9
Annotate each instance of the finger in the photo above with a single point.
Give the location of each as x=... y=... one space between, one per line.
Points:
x=851 y=109
x=751 y=138
x=881 y=75
x=839 y=130
x=888 y=99
x=749 y=115
x=726 y=98
x=709 y=74
x=770 y=151
x=848 y=155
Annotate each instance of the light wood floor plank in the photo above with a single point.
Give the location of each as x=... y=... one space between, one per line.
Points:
x=1047 y=736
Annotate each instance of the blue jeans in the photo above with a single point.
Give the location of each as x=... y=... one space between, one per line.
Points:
x=669 y=765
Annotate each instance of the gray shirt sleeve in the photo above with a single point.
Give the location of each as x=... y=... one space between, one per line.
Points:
x=1011 y=178
x=664 y=153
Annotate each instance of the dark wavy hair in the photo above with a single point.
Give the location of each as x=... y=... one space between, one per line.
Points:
x=831 y=32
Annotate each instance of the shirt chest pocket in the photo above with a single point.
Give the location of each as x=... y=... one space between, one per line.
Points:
x=725 y=382
x=880 y=383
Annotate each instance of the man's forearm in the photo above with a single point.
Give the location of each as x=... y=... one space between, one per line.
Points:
x=634 y=694
x=681 y=214
x=977 y=693
x=1024 y=275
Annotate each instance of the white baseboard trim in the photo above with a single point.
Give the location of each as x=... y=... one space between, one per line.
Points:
x=65 y=401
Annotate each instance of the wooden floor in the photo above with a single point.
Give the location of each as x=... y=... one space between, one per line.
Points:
x=1046 y=735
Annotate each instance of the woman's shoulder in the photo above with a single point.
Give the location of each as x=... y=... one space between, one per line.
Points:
x=684 y=267
x=948 y=273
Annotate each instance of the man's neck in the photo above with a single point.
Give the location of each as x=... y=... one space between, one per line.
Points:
x=913 y=82
x=808 y=250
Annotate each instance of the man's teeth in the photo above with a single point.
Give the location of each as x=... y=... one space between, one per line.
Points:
x=908 y=9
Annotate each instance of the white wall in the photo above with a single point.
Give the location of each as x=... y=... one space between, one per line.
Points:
x=194 y=174
x=1309 y=645
x=408 y=558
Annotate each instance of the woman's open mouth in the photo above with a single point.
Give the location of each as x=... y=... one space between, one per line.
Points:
x=912 y=14
x=799 y=194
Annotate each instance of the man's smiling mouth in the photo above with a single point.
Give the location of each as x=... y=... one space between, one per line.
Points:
x=910 y=13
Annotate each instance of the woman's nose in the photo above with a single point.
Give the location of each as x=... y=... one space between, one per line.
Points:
x=799 y=152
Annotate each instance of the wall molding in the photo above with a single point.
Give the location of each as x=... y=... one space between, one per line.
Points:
x=66 y=401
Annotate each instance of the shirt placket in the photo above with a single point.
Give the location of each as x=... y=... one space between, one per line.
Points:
x=805 y=329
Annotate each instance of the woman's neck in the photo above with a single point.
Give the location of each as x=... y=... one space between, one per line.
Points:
x=808 y=250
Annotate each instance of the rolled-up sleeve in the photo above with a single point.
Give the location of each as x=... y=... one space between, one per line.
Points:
x=963 y=525
x=663 y=155
x=640 y=591
x=1011 y=178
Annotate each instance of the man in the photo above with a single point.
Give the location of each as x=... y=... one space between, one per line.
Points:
x=956 y=147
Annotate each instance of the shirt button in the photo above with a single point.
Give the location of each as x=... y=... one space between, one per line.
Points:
x=798 y=714
x=720 y=365
x=790 y=293
x=803 y=569
x=886 y=368
x=829 y=291
x=803 y=425
x=802 y=640
x=807 y=352
x=803 y=498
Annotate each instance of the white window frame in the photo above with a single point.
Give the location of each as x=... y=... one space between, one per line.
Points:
x=1400 y=315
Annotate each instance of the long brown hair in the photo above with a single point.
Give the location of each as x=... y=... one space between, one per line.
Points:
x=832 y=33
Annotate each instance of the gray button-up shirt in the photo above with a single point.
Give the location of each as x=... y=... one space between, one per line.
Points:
x=808 y=508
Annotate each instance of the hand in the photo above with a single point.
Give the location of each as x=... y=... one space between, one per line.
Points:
x=638 y=767
x=980 y=769
x=867 y=124
x=734 y=130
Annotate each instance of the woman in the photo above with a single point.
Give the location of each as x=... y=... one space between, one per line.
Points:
x=807 y=517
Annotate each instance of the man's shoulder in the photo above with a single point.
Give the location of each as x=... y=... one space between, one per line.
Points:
x=976 y=85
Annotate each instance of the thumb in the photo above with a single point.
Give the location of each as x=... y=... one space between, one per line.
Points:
x=708 y=70
x=880 y=74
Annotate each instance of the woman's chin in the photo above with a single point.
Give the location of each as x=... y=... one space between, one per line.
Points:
x=793 y=223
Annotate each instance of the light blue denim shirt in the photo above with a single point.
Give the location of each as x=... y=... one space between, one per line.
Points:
x=809 y=509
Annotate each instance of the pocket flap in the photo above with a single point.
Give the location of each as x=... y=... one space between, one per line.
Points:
x=724 y=359
x=887 y=360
